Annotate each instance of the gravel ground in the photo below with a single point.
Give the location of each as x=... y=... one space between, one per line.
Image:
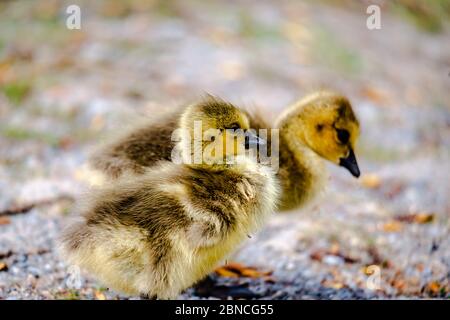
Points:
x=63 y=91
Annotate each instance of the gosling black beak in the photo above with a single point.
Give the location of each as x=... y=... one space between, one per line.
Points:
x=252 y=140
x=350 y=164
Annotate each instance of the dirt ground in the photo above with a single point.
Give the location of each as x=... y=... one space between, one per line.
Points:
x=386 y=235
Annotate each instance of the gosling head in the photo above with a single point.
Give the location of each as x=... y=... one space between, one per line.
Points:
x=327 y=125
x=216 y=132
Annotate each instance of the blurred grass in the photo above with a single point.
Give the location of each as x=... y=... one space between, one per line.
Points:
x=334 y=54
x=250 y=28
x=16 y=92
x=22 y=134
x=426 y=15
x=429 y=16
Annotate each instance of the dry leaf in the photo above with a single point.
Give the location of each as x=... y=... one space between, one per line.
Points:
x=250 y=273
x=66 y=143
x=99 y=295
x=234 y=270
x=420 y=267
x=424 y=218
x=332 y=284
x=6 y=73
x=337 y=285
x=3 y=266
x=399 y=284
x=234 y=265
x=4 y=220
x=333 y=251
x=433 y=287
x=392 y=226
x=317 y=255
x=6 y=255
x=224 y=272
x=420 y=218
x=377 y=95
x=371 y=181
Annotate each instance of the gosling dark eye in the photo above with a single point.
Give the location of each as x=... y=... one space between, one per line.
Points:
x=343 y=135
x=234 y=126
x=213 y=138
x=319 y=127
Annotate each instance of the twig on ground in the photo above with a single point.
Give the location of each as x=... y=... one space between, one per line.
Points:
x=21 y=209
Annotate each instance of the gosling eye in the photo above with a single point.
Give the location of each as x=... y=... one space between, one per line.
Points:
x=234 y=126
x=213 y=138
x=343 y=135
x=319 y=127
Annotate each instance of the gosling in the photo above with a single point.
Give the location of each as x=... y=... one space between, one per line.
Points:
x=158 y=233
x=320 y=126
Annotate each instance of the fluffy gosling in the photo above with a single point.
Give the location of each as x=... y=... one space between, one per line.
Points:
x=320 y=126
x=158 y=233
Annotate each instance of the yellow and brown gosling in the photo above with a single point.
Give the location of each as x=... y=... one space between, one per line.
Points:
x=160 y=232
x=320 y=126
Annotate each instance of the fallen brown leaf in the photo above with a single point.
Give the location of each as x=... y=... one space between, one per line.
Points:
x=99 y=295
x=5 y=255
x=371 y=181
x=4 y=220
x=66 y=143
x=424 y=218
x=333 y=284
x=376 y=95
x=392 y=226
x=235 y=270
x=433 y=287
x=224 y=272
x=5 y=71
x=3 y=266
x=420 y=218
x=334 y=250
x=234 y=265
x=317 y=255
x=399 y=284
x=250 y=273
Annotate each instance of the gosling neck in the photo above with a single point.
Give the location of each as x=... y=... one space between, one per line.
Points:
x=302 y=171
